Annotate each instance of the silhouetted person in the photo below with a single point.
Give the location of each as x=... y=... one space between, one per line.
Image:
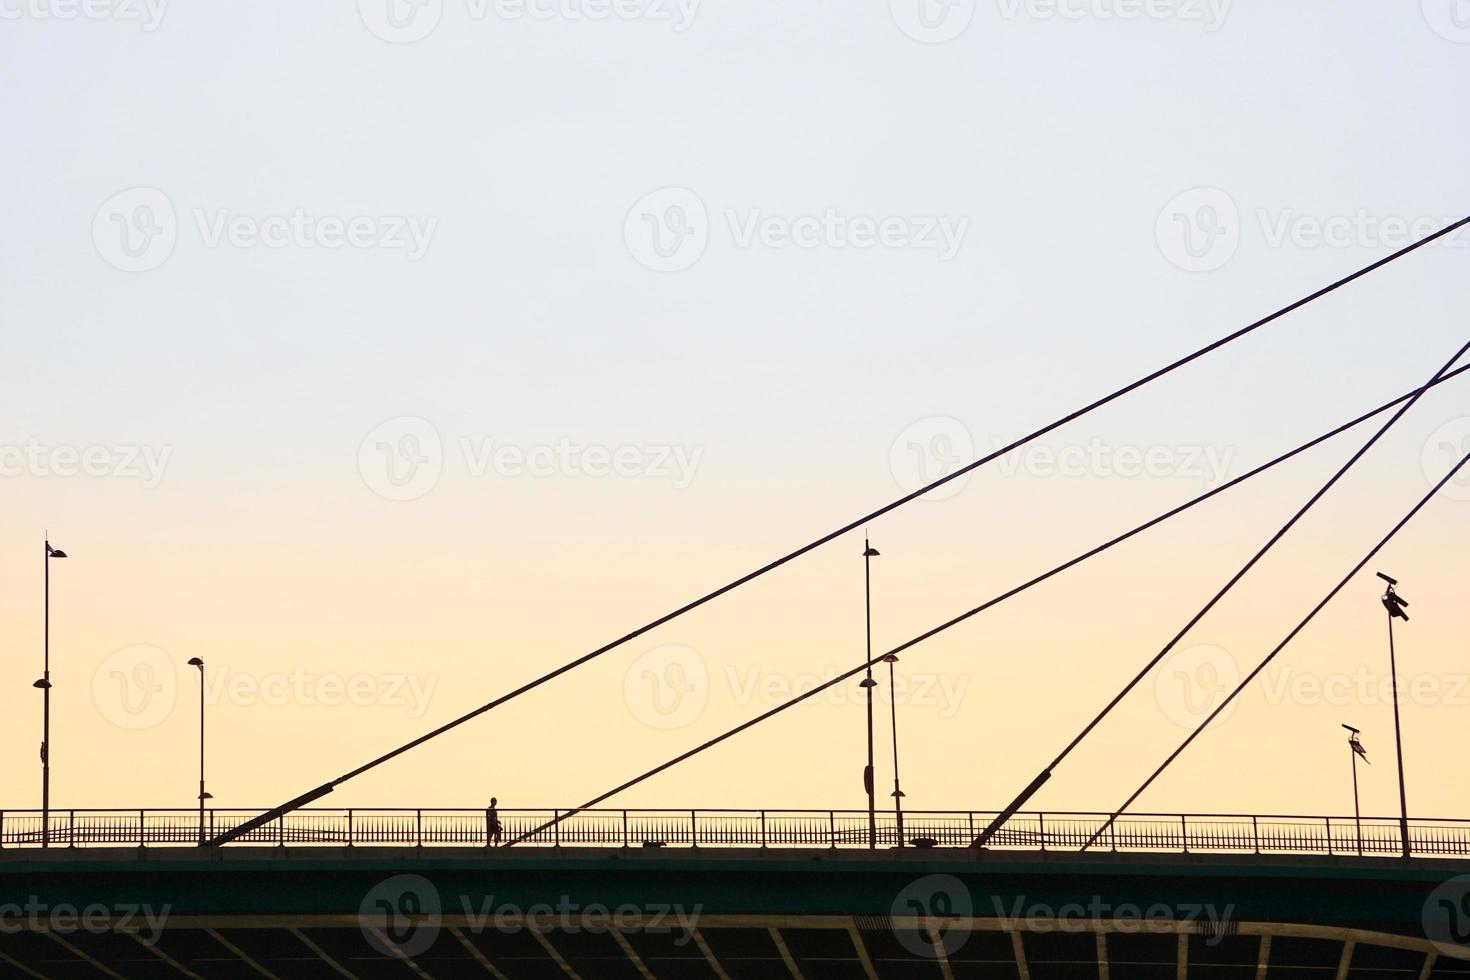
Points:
x=492 y=822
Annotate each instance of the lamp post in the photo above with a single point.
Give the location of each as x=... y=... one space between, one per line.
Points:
x=199 y=662
x=890 y=660
x=869 y=553
x=1356 y=750
x=1395 y=605
x=45 y=685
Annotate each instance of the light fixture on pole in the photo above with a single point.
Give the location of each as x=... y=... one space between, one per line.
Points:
x=890 y=660
x=45 y=685
x=1395 y=604
x=1357 y=751
x=869 y=553
x=199 y=662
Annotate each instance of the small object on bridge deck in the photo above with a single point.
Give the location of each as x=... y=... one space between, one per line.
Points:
x=655 y=843
x=924 y=842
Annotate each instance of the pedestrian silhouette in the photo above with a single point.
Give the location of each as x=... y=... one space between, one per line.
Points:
x=492 y=823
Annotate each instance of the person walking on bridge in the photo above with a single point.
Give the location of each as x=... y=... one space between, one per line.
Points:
x=492 y=823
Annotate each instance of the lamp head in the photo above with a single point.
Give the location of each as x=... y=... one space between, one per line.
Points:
x=871 y=552
x=1388 y=578
x=54 y=552
x=42 y=685
x=196 y=662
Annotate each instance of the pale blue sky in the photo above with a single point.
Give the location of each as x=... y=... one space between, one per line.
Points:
x=519 y=147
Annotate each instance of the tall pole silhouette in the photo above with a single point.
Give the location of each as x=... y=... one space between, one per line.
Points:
x=1395 y=605
x=892 y=659
x=869 y=553
x=199 y=662
x=45 y=685
x=1355 y=749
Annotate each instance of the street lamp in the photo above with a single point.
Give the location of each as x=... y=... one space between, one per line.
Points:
x=45 y=685
x=869 y=553
x=198 y=662
x=1357 y=750
x=890 y=660
x=1395 y=604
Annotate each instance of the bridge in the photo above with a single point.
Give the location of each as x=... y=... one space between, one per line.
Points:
x=298 y=890
x=444 y=910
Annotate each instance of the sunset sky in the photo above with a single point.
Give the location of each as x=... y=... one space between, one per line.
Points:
x=389 y=360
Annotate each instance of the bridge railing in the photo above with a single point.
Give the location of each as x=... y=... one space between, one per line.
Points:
x=1149 y=832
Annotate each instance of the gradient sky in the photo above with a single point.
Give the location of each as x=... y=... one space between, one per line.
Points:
x=411 y=356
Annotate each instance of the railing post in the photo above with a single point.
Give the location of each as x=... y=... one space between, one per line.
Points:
x=625 y=827
x=1183 y=833
x=832 y=827
x=142 y=840
x=693 y=829
x=556 y=828
x=281 y=831
x=349 y=825
x=71 y=828
x=1041 y=828
x=1328 y=821
x=418 y=827
x=1256 y=833
x=2 y=828
x=763 y=828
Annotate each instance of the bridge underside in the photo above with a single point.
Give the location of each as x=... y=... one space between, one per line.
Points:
x=733 y=947
x=821 y=915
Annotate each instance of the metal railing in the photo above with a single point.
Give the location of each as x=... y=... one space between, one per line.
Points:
x=1152 y=832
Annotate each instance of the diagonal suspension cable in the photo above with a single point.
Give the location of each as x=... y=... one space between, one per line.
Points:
x=328 y=787
x=1342 y=471
x=1017 y=590
x=1383 y=542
